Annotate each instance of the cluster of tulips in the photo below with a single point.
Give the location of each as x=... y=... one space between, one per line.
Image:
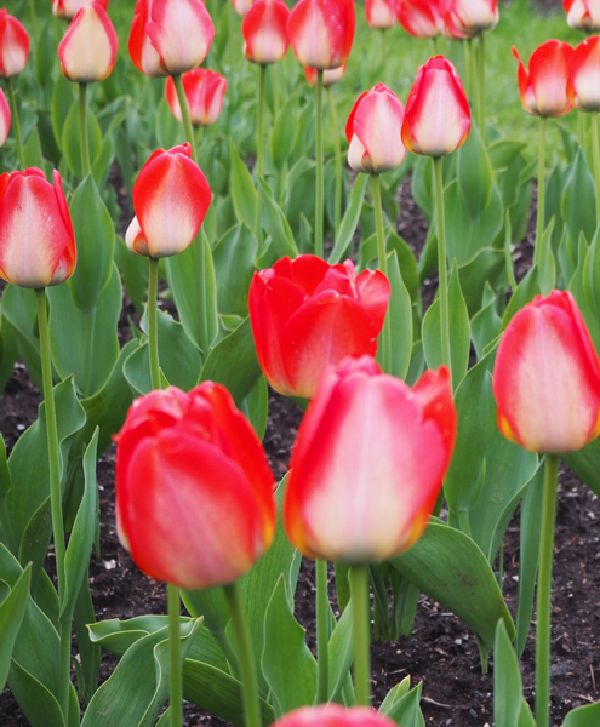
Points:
x=195 y=498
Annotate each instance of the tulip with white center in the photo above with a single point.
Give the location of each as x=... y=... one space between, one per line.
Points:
x=420 y=18
x=4 y=118
x=265 y=31
x=88 y=49
x=381 y=13
x=14 y=45
x=583 y=14
x=70 y=8
x=204 y=90
x=476 y=15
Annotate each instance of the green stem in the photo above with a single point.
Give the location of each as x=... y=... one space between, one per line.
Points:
x=338 y=159
x=176 y=673
x=55 y=492
x=541 y=187
x=247 y=665
x=153 y=322
x=581 y=128
x=596 y=152
x=544 y=592
x=188 y=129
x=381 y=256
x=508 y=261
x=319 y=201
x=322 y=629
x=466 y=46
x=15 y=122
x=442 y=269
x=86 y=166
x=359 y=588
x=481 y=89
x=260 y=147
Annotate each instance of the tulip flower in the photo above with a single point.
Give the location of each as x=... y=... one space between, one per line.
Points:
x=88 y=50
x=334 y=715
x=70 y=8
x=419 y=18
x=14 y=45
x=265 y=31
x=584 y=77
x=4 y=118
x=241 y=7
x=307 y=315
x=583 y=14
x=204 y=90
x=330 y=75
x=475 y=16
x=381 y=14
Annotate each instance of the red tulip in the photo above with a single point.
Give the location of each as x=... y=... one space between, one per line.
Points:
x=321 y=32
x=70 y=8
x=14 y=45
x=169 y=37
x=194 y=493
x=584 y=77
x=307 y=315
x=420 y=18
x=241 y=7
x=437 y=118
x=37 y=242
x=204 y=90
x=170 y=199
x=265 y=31
x=88 y=50
x=368 y=462
x=543 y=86
x=381 y=13
x=330 y=75
x=4 y=118
x=583 y=14
x=334 y=715
x=374 y=131
x=473 y=16
x=547 y=377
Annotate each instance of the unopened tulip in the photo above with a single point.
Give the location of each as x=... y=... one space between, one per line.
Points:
x=14 y=45
x=543 y=85
x=37 y=242
x=170 y=199
x=374 y=131
x=307 y=315
x=204 y=90
x=547 y=377
x=583 y=14
x=321 y=32
x=334 y=715
x=88 y=50
x=4 y=118
x=368 y=462
x=437 y=118
x=169 y=37
x=241 y=7
x=420 y=18
x=265 y=31
x=330 y=75
x=474 y=16
x=584 y=78
x=194 y=493
x=381 y=13
x=70 y=8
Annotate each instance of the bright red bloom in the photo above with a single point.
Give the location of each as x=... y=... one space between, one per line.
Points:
x=330 y=75
x=543 y=85
x=374 y=131
x=265 y=31
x=381 y=13
x=437 y=118
x=4 y=118
x=170 y=199
x=14 y=45
x=583 y=14
x=322 y=31
x=37 y=242
x=88 y=50
x=194 y=493
x=547 y=377
x=368 y=462
x=307 y=315
x=475 y=15
x=70 y=8
x=169 y=37
x=204 y=90
x=420 y=18
x=584 y=77
x=334 y=715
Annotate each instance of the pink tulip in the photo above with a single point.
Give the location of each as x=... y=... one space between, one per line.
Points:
x=88 y=50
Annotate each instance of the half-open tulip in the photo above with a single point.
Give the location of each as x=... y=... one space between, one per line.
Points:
x=170 y=199
x=88 y=49
x=474 y=16
x=170 y=37
x=547 y=377
x=330 y=75
x=374 y=131
x=368 y=462
x=70 y=8
x=4 y=118
x=543 y=84
x=583 y=14
x=265 y=31
x=194 y=493
x=381 y=13
x=334 y=715
x=204 y=90
x=14 y=45
x=419 y=18
x=437 y=118
x=37 y=242
x=584 y=78
x=322 y=31
x=241 y=7
x=307 y=315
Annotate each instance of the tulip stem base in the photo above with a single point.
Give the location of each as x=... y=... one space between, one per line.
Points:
x=188 y=129
x=319 y=200
x=386 y=357
x=481 y=86
x=176 y=671
x=260 y=146
x=155 y=378
x=544 y=592
x=596 y=151
x=86 y=166
x=246 y=657
x=322 y=610
x=14 y=112
x=442 y=266
x=541 y=190
x=338 y=159
x=361 y=633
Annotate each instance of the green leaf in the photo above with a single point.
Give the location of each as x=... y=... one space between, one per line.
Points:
x=401 y=322
x=71 y=142
x=586 y=716
x=284 y=135
x=117 y=635
x=235 y=261
x=275 y=223
x=350 y=219
x=547 y=263
x=36 y=537
x=404 y=709
x=255 y=406
x=36 y=701
x=508 y=694
x=341 y=654
x=62 y=101
x=585 y=464
x=243 y=190
x=12 y=610
x=475 y=177
x=395 y=694
x=578 y=201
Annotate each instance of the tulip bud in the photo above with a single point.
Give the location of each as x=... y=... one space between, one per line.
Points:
x=321 y=32
x=381 y=13
x=419 y=18
x=170 y=199
x=330 y=75
x=583 y=14
x=547 y=377
x=584 y=77
x=264 y=31
x=474 y=16
x=368 y=462
x=204 y=90
x=334 y=715
x=374 y=131
x=14 y=45
x=437 y=118
x=241 y=7
x=70 y=8
x=88 y=49
x=543 y=85
x=194 y=493
x=37 y=242
x=169 y=37
x=4 y=118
